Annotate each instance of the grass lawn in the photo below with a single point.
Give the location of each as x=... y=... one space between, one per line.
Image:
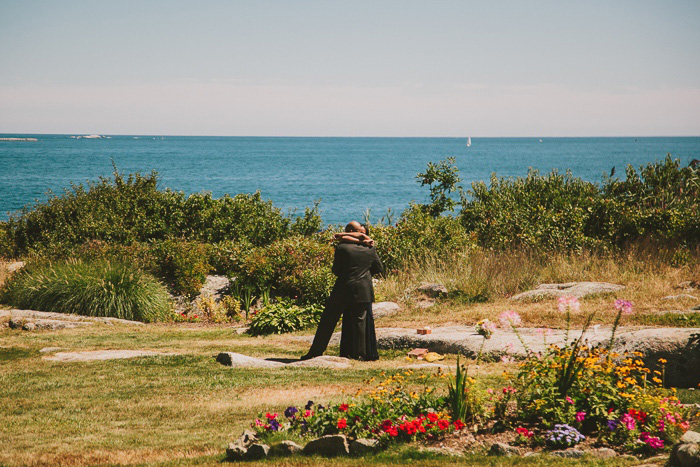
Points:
x=171 y=410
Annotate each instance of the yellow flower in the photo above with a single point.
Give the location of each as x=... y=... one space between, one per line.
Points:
x=656 y=380
x=663 y=361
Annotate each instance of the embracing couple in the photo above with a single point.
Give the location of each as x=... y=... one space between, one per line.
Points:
x=354 y=263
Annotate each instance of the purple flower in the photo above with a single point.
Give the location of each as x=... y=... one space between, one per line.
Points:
x=290 y=411
x=612 y=425
x=274 y=425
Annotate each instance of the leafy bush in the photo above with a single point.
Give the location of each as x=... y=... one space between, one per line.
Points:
x=182 y=265
x=560 y=212
x=417 y=234
x=284 y=316
x=101 y=288
x=132 y=209
x=296 y=267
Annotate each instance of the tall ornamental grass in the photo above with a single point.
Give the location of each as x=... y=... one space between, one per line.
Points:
x=101 y=288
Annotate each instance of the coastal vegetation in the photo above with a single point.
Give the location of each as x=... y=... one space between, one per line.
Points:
x=506 y=236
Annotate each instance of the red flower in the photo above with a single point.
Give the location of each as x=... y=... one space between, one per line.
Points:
x=459 y=424
x=343 y=407
x=386 y=425
x=443 y=424
x=524 y=432
x=393 y=431
x=342 y=423
x=271 y=416
x=432 y=417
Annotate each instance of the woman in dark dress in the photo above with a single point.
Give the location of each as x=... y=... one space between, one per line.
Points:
x=350 y=338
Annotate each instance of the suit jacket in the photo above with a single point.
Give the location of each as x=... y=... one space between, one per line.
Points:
x=354 y=265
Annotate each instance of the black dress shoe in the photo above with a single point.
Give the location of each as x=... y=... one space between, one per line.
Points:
x=308 y=357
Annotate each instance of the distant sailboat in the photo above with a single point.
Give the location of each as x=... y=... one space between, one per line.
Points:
x=469 y=141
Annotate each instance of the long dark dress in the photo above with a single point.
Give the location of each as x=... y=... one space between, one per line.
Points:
x=358 y=339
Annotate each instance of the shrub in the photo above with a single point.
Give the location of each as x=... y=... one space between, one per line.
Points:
x=182 y=265
x=124 y=210
x=417 y=234
x=284 y=316
x=101 y=288
x=296 y=267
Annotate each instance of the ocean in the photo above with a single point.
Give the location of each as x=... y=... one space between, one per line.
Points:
x=350 y=176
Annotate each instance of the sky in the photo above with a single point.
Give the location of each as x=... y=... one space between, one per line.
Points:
x=351 y=68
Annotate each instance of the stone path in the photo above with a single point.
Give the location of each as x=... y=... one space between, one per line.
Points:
x=31 y=319
x=91 y=355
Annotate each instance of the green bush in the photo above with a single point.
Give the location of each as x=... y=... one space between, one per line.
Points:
x=417 y=234
x=101 y=288
x=132 y=209
x=296 y=267
x=284 y=316
x=182 y=265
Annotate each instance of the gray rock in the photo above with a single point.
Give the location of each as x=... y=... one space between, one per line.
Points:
x=324 y=361
x=602 y=453
x=214 y=286
x=15 y=266
x=257 y=451
x=503 y=449
x=50 y=349
x=690 y=437
x=16 y=323
x=29 y=326
x=683 y=296
x=425 y=303
x=285 y=449
x=432 y=289
x=688 y=285
x=46 y=315
x=444 y=451
x=569 y=453
x=235 y=452
x=382 y=309
x=329 y=445
x=247 y=438
x=363 y=446
x=575 y=289
x=686 y=455
x=237 y=360
x=101 y=355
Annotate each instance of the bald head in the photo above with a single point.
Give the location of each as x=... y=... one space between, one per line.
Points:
x=354 y=226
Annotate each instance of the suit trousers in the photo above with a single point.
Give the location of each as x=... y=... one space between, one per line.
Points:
x=354 y=331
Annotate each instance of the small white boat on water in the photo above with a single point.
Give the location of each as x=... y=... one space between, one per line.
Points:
x=469 y=141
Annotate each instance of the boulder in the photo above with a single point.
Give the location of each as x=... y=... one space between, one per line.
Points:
x=214 y=286
x=363 y=446
x=569 y=453
x=575 y=289
x=247 y=438
x=329 y=445
x=602 y=453
x=257 y=451
x=324 y=361
x=235 y=452
x=285 y=449
x=503 y=449
x=237 y=360
x=686 y=453
x=432 y=289
x=382 y=309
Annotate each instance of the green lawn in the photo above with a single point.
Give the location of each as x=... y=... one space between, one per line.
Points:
x=172 y=410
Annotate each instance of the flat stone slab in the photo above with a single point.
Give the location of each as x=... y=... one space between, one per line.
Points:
x=102 y=355
x=237 y=360
x=44 y=324
x=46 y=315
x=381 y=309
x=574 y=289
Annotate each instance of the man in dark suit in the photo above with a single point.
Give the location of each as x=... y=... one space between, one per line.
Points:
x=352 y=297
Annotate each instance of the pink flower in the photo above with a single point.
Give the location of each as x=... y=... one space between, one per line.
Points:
x=568 y=302
x=624 y=305
x=580 y=416
x=629 y=421
x=509 y=318
x=569 y=400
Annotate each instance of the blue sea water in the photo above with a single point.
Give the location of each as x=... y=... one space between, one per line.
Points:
x=348 y=175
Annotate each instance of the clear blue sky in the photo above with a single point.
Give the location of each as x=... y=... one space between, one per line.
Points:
x=351 y=68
